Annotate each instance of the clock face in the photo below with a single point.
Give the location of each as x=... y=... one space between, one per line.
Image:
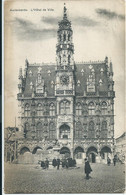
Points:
x=64 y=79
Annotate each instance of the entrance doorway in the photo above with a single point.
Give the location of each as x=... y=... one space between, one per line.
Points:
x=65 y=152
x=93 y=157
x=91 y=154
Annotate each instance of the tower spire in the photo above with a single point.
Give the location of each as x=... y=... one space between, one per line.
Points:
x=65 y=13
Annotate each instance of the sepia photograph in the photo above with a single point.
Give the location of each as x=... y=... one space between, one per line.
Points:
x=64 y=97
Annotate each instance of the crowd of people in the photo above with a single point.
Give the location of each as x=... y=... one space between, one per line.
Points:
x=65 y=163
x=69 y=162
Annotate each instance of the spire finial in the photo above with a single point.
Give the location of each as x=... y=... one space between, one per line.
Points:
x=65 y=14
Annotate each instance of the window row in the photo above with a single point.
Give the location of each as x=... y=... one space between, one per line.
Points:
x=90 y=126
x=64 y=108
x=91 y=108
x=40 y=110
x=40 y=130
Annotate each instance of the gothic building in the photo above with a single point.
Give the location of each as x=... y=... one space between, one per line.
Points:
x=67 y=107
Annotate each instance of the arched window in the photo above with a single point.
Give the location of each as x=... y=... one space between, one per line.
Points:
x=78 y=133
x=64 y=107
x=64 y=132
x=60 y=38
x=39 y=110
x=68 y=37
x=64 y=37
x=104 y=125
x=91 y=108
x=27 y=110
x=26 y=129
x=78 y=109
x=68 y=59
x=91 y=126
x=91 y=132
x=60 y=59
x=104 y=108
x=39 y=132
x=104 y=129
x=52 y=109
x=52 y=132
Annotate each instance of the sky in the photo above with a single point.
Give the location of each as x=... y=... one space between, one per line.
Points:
x=98 y=31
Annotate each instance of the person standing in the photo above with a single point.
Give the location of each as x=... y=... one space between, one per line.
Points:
x=87 y=168
x=54 y=163
x=43 y=164
x=58 y=163
x=46 y=163
x=108 y=161
x=114 y=161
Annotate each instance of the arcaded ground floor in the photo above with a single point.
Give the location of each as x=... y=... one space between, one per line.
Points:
x=31 y=179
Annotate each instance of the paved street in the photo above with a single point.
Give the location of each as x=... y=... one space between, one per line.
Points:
x=32 y=179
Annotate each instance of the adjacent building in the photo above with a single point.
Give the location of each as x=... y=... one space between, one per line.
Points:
x=66 y=108
x=121 y=147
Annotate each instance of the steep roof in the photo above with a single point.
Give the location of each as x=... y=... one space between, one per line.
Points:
x=82 y=72
x=32 y=77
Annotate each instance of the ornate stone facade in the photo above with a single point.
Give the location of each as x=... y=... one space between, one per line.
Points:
x=68 y=103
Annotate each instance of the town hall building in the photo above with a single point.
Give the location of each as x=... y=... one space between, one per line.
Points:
x=66 y=108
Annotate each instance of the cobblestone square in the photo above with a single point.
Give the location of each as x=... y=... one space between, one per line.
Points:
x=31 y=179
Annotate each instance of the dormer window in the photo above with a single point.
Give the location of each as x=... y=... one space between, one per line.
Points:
x=101 y=71
x=39 y=69
x=31 y=85
x=90 y=67
x=91 y=83
x=39 y=78
x=82 y=72
x=100 y=82
x=30 y=73
x=78 y=83
x=52 y=84
x=49 y=72
x=92 y=71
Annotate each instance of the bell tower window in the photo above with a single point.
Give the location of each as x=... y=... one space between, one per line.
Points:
x=60 y=59
x=64 y=37
x=68 y=37
x=60 y=38
x=69 y=59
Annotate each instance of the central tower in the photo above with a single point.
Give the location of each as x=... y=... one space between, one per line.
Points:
x=65 y=48
x=65 y=86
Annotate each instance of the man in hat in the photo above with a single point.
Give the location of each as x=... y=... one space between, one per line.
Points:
x=87 y=168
